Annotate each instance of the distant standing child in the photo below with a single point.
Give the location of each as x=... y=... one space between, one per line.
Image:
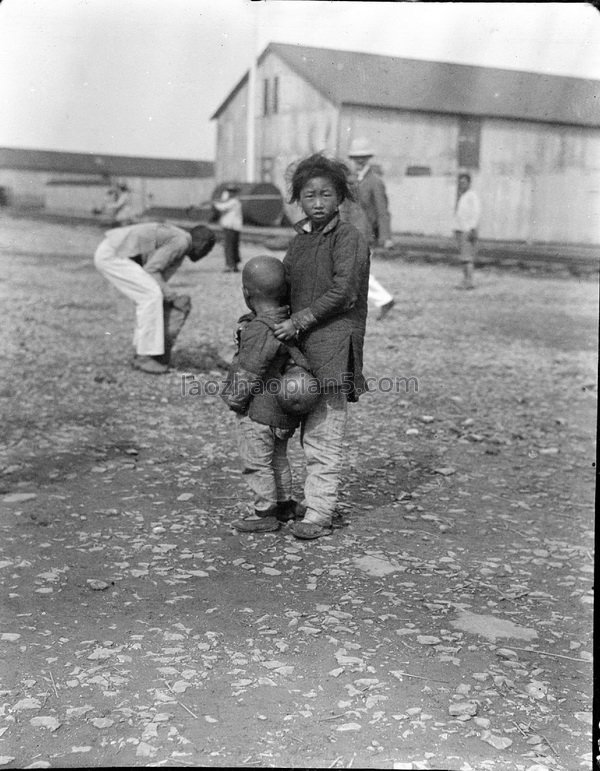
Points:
x=263 y=428
x=466 y=220
x=231 y=220
x=327 y=269
x=121 y=210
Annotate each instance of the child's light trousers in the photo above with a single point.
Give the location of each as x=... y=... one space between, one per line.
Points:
x=265 y=466
x=322 y=439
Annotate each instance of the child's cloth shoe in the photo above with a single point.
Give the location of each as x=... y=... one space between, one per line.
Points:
x=308 y=531
x=260 y=522
x=149 y=364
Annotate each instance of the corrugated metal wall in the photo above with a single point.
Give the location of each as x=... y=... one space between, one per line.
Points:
x=537 y=182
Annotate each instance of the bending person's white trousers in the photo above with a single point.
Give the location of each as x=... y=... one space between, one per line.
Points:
x=133 y=281
x=378 y=295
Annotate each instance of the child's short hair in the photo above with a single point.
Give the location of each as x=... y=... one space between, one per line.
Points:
x=318 y=165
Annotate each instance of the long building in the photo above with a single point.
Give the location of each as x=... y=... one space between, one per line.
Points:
x=77 y=182
x=530 y=141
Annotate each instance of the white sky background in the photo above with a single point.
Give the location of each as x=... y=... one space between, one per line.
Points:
x=143 y=77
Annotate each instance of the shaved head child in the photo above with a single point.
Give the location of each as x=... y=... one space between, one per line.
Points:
x=263 y=428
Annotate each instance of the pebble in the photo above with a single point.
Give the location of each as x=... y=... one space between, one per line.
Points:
x=349 y=727
x=426 y=639
x=18 y=497
x=102 y=722
x=9 y=636
x=506 y=653
x=463 y=708
x=499 y=742
x=45 y=721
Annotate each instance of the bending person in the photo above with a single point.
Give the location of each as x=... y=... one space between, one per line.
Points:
x=139 y=260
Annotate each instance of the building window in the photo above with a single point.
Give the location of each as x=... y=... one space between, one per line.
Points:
x=265 y=96
x=275 y=94
x=418 y=171
x=469 y=135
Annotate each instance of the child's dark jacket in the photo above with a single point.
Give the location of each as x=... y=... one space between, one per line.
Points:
x=260 y=360
x=328 y=275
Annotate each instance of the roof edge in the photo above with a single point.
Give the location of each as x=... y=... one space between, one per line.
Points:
x=238 y=86
x=275 y=49
x=483 y=116
x=271 y=48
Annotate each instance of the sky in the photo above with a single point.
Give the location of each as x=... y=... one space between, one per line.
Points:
x=143 y=77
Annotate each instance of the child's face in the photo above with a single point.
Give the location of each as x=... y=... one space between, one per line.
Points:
x=319 y=200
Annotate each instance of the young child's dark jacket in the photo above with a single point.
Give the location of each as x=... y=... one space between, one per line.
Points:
x=260 y=359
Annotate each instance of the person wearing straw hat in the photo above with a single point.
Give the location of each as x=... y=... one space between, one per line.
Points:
x=370 y=215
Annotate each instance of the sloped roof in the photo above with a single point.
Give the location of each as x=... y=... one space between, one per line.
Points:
x=348 y=77
x=111 y=165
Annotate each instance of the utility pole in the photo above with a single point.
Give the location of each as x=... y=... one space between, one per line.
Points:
x=251 y=106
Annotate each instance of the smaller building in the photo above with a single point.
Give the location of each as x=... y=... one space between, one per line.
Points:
x=78 y=182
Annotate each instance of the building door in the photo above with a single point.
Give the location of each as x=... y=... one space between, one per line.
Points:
x=469 y=139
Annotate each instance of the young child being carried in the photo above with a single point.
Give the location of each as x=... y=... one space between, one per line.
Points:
x=263 y=427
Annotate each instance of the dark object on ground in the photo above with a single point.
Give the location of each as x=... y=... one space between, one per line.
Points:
x=198 y=358
x=262 y=205
x=262 y=202
x=175 y=314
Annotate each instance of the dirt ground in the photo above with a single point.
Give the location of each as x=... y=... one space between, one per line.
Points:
x=448 y=625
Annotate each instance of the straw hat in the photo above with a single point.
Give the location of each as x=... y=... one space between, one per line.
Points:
x=360 y=148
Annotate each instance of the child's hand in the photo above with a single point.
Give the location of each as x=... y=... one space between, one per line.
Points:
x=285 y=331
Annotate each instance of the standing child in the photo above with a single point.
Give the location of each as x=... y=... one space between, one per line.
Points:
x=121 y=210
x=327 y=269
x=230 y=208
x=466 y=219
x=263 y=428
